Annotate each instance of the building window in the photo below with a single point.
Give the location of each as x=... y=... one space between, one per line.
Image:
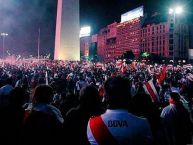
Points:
x=171 y=48
x=171 y=41
x=170 y=53
x=171 y=36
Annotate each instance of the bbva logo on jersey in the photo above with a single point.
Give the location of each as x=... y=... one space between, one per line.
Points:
x=117 y=123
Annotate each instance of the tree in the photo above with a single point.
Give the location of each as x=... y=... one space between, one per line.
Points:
x=144 y=55
x=128 y=55
x=156 y=58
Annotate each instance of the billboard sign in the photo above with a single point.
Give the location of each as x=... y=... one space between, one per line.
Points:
x=85 y=31
x=190 y=53
x=135 y=13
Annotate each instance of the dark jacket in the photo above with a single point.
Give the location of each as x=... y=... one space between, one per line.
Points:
x=75 y=125
x=41 y=127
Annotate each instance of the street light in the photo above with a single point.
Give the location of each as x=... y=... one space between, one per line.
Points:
x=173 y=12
x=3 y=37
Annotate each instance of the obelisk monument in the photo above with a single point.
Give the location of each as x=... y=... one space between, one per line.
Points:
x=67 y=42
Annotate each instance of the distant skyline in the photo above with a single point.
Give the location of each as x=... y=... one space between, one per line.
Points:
x=22 y=19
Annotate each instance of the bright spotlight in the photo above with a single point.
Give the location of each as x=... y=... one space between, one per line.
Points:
x=171 y=11
x=85 y=31
x=178 y=10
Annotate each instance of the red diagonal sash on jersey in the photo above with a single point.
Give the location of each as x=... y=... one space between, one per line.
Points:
x=101 y=132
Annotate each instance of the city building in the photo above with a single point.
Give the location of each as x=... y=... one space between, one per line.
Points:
x=101 y=44
x=190 y=51
x=129 y=37
x=111 y=42
x=155 y=39
x=117 y=38
x=93 y=48
x=179 y=38
x=106 y=42
x=84 y=46
x=163 y=35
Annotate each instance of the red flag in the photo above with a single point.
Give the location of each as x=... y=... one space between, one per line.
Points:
x=119 y=63
x=101 y=91
x=123 y=69
x=162 y=75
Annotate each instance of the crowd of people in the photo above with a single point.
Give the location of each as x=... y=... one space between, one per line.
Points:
x=80 y=103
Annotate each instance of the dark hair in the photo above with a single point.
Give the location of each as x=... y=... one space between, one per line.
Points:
x=43 y=94
x=9 y=81
x=175 y=96
x=18 y=96
x=89 y=96
x=117 y=90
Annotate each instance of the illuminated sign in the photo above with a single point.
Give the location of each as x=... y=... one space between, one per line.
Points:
x=190 y=53
x=85 y=31
x=136 y=13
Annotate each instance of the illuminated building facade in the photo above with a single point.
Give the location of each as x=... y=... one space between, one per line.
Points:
x=84 y=47
x=150 y=33
x=101 y=43
x=117 y=38
x=111 y=42
x=155 y=39
x=129 y=37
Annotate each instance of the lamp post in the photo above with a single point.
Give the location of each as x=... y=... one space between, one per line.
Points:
x=173 y=12
x=38 y=44
x=3 y=37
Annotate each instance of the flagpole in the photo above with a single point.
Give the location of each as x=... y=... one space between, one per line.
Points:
x=46 y=76
x=38 y=44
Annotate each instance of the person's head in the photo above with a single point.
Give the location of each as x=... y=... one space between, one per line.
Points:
x=174 y=98
x=8 y=81
x=140 y=88
x=18 y=96
x=89 y=96
x=43 y=94
x=117 y=92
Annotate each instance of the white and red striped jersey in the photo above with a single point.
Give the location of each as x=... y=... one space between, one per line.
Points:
x=118 y=127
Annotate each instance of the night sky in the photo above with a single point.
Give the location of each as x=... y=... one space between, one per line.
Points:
x=21 y=19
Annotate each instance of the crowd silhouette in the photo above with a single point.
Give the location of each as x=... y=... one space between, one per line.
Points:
x=82 y=103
